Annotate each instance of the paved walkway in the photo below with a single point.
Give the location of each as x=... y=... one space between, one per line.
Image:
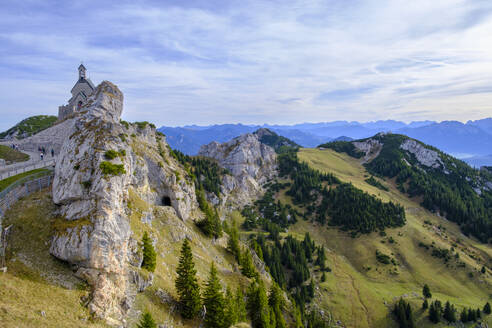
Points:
x=34 y=162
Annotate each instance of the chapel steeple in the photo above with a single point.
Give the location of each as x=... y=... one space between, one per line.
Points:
x=82 y=70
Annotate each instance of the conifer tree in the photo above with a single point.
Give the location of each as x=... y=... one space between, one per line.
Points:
x=323 y=277
x=478 y=314
x=233 y=243
x=464 y=315
x=257 y=305
x=425 y=304
x=449 y=312
x=230 y=311
x=213 y=299
x=210 y=225
x=321 y=259
x=277 y=303
x=147 y=321
x=483 y=269
x=241 y=305
x=426 y=291
x=404 y=315
x=486 y=308
x=247 y=266
x=435 y=311
x=149 y=254
x=187 y=284
x=298 y=318
x=471 y=315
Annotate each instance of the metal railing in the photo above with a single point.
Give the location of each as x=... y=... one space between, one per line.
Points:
x=37 y=165
x=22 y=188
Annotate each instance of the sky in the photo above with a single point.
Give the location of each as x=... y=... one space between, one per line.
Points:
x=253 y=62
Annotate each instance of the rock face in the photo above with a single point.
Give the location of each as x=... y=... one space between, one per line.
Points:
x=424 y=156
x=91 y=188
x=250 y=162
x=370 y=147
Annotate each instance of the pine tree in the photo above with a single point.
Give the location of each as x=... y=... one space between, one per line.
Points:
x=449 y=312
x=257 y=305
x=323 y=277
x=240 y=305
x=403 y=314
x=230 y=312
x=213 y=299
x=425 y=304
x=233 y=243
x=471 y=315
x=483 y=269
x=435 y=311
x=298 y=318
x=276 y=302
x=426 y=291
x=187 y=284
x=321 y=259
x=149 y=254
x=486 y=308
x=147 y=321
x=464 y=315
x=247 y=266
x=210 y=225
x=478 y=314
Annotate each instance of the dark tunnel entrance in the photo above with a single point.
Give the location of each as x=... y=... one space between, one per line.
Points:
x=166 y=201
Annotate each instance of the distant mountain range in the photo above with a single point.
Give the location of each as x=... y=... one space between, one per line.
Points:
x=470 y=141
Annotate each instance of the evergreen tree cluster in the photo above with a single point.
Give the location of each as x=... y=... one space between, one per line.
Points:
x=373 y=182
x=356 y=210
x=449 y=313
x=346 y=206
x=449 y=189
x=435 y=311
x=403 y=314
x=205 y=172
x=289 y=262
x=470 y=315
x=343 y=147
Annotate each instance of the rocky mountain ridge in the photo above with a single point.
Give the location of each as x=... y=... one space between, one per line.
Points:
x=251 y=162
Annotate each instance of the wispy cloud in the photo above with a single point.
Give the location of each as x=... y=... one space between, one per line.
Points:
x=186 y=62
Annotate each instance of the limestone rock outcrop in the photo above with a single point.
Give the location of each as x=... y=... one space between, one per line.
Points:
x=100 y=160
x=424 y=156
x=250 y=162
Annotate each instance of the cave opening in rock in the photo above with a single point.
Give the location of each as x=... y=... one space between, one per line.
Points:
x=166 y=201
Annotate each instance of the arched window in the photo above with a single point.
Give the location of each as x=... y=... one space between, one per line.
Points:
x=79 y=105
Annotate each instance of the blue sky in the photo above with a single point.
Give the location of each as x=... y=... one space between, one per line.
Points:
x=206 y=62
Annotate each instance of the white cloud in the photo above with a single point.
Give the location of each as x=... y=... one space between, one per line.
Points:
x=413 y=60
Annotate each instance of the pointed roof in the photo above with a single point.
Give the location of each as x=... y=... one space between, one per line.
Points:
x=82 y=66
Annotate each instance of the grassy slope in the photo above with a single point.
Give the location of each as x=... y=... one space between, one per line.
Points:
x=358 y=296
x=12 y=156
x=35 y=280
x=10 y=180
x=170 y=231
x=31 y=125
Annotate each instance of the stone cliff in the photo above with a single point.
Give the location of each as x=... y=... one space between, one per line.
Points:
x=251 y=163
x=99 y=162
